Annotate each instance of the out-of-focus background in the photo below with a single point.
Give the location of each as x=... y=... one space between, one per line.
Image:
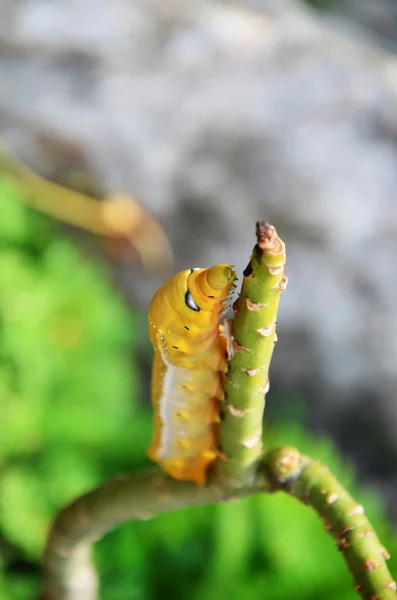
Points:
x=212 y=115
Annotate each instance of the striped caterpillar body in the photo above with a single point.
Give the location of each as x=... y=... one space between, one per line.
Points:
x=190 y=358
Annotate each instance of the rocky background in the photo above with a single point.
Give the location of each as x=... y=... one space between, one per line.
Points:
x=215 y=114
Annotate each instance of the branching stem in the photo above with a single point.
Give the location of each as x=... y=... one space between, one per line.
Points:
x=70 y=575
x=241 y=470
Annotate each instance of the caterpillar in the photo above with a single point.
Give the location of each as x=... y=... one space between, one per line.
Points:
x=190 y=359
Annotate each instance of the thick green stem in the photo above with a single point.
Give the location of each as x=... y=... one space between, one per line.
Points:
x=312 y=483
x=254 y=333
x=68 y=570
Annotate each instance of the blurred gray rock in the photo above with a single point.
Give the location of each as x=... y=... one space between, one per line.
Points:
x=378 y=19
x=216 y=115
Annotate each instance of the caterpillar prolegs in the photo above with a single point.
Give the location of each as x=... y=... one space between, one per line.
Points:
x=190 y=358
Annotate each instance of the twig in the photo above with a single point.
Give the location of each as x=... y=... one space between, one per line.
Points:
x=254 y=332
x=313 y=484
x=68 y=570
x=117 y=216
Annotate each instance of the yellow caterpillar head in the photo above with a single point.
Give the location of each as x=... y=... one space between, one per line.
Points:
x=208 y=287
x=185 y=312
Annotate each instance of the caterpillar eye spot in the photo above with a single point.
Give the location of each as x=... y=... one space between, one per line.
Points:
x=186 y=327
x=211 y=297
x=190 y=303
x=176 y=347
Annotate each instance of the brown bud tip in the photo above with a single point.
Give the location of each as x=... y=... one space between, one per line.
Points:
x=265 y=232
x=268 y=241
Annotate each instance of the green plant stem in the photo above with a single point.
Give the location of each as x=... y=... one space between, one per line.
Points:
x=68 y=570
x=254 y=336
x=312 y=483
x=70 y=575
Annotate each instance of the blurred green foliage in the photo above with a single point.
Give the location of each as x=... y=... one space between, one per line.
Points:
x=70 y=417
